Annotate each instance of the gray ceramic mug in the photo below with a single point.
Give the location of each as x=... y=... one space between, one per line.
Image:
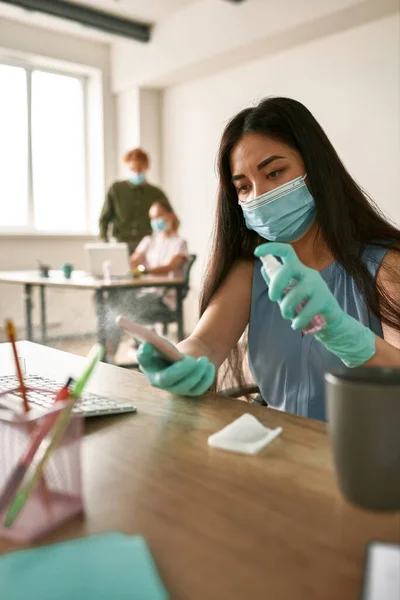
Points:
x=363 y=408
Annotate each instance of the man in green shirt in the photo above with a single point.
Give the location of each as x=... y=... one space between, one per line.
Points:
x=128 y=202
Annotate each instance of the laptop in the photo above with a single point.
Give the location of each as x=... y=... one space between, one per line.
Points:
x=117 y=254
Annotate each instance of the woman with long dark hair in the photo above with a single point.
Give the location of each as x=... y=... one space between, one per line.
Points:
x=283 y=191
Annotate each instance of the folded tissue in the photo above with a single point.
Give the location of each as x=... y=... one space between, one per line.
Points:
x=245 y=435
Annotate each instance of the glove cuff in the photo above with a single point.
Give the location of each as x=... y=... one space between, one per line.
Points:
x=349 y=340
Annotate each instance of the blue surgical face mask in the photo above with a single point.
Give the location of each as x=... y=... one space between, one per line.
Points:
x=159 y=225
x=137 y=178
x=284 y=214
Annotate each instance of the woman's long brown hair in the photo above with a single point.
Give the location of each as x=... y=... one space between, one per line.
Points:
x=347 y=217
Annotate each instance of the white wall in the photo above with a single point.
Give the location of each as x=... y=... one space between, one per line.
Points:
x=128 y=123
x=209 y=35
x=351 y=83
x=139 y=124
x=151 y=130
x=73 y=311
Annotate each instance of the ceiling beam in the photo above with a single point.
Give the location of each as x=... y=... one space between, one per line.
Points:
x=87 y=16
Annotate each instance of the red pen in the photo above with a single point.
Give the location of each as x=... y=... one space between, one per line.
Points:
x=12 y=335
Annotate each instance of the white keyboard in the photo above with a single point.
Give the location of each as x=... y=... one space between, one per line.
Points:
x=90 y=405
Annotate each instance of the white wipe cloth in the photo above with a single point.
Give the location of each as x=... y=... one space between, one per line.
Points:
x=246 y=435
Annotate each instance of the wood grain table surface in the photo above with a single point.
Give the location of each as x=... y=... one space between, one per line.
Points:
x=82 y=280
x=220 y=525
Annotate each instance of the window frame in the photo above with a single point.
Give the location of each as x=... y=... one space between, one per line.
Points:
x=29 y=229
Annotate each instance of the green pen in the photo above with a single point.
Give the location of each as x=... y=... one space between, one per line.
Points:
x=95 y=355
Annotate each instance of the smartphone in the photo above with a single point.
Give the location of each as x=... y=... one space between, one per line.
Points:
x=164 y=347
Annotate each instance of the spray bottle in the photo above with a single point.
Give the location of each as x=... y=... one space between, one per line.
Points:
x=271 y=266
x=107 y=271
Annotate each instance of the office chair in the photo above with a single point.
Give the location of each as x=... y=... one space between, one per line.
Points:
x=247 y=389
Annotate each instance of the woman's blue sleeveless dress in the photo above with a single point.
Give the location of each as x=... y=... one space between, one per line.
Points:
x=289 y=367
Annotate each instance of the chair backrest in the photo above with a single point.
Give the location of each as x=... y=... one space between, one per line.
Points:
x=186 y=269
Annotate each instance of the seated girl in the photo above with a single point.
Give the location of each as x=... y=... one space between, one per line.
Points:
x=163 y=253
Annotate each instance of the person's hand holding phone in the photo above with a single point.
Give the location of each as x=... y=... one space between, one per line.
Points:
x=187 y=377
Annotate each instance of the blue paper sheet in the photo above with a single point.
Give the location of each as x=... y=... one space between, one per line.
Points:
x=102 y=567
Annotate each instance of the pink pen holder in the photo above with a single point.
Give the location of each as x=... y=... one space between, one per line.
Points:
x=58 y=495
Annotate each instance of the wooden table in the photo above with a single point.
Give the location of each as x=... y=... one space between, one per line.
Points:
x=220 y=525
x=82 y=281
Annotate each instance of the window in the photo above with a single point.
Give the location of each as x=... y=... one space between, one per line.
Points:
x=13 y=147
x=43 y=181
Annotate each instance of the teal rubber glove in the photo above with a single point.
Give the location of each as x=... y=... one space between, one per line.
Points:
x=187 y=377
x=342 y=335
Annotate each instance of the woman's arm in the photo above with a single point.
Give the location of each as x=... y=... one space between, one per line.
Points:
x=139 y=256
x=225 y=319
x=174 y=264
x=388 y=349
x=136 y=259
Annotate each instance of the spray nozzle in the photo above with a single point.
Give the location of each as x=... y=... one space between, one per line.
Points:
x=271 y=264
